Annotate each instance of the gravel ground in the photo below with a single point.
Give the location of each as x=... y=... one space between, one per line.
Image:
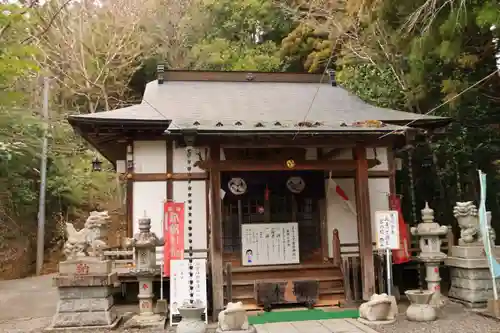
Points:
x=454 y=318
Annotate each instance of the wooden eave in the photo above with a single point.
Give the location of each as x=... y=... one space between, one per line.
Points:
x=109 y=136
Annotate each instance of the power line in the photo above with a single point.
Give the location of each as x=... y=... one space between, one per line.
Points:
x=442 y=104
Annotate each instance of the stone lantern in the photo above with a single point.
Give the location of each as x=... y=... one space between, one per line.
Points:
x=429 y=233
x=144 y=243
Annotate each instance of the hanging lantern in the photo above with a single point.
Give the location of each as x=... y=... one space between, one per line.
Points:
x=96 y=164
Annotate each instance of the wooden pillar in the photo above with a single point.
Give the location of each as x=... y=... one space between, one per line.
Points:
x=216 y=236
x=364 y=222
x=129 y=200
x=391 y=159
x=170 y=169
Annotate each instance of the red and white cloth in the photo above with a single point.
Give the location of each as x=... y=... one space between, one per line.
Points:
x=332 y=185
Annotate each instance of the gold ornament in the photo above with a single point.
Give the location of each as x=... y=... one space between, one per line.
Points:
x=290 y=164
x=129 y=175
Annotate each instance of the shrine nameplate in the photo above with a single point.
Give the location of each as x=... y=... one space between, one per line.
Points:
x=270 y=244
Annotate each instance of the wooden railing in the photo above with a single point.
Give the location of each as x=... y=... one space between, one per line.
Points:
x=346 y=256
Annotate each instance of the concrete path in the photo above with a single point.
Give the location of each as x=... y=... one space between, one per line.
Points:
x=316 y=326
x=26 y=305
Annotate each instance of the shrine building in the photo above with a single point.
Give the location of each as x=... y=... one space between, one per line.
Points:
x=267 y=148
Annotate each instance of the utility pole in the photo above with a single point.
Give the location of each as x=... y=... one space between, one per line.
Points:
x=40 y=244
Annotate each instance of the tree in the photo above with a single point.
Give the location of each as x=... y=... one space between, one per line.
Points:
x=426 y=57
x=241 y=35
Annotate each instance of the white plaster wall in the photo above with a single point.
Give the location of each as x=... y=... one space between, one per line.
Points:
x=199 y=215
x=340 y=217
x=150 y=156
x=344 y=154
x=199 y=212
x=381 y=156
x=370 y=154
x=149 y=197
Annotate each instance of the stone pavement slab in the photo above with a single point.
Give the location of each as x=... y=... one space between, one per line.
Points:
x=316 y=326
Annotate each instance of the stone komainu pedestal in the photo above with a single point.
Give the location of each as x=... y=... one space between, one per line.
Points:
x=85 y=295
x=471 y=282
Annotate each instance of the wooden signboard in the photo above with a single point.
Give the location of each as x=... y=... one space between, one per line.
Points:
x=270 y=244
x=387 y=228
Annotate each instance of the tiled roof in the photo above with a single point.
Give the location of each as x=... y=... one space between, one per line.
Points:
x=254 y=106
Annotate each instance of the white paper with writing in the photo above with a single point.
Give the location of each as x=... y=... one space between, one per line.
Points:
x=270 y=244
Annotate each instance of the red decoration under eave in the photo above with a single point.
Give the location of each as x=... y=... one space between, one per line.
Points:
x=341 y=193
x=266 y=194
x=400 y=256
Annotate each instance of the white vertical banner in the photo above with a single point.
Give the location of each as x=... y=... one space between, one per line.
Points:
x=179 y=285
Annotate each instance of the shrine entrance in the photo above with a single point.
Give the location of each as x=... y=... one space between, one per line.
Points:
x=272 y=206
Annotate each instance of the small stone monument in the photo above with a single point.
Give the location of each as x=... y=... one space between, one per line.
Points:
x=471 y=282
x=234 y=319
x=429 y=233
x=144 y=243
x=85 y=280
x=420 y=309
x=380 y=309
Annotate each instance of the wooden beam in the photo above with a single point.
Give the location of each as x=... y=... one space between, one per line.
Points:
x=157 y=177
x=371 y=174
x=364 y=222
x=216 y=247
x=253 y=165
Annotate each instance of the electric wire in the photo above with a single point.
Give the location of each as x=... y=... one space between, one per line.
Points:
x=442 y=104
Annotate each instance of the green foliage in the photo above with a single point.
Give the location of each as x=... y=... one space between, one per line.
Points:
x=226 y=55
x=305 y=49
x=436 y=55
x=241 y=35
x=16 y=58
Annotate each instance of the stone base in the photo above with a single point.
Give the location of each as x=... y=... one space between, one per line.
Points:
x=154 y=321
x=472 y=252
x=87 y=265
x=161 y=307
x=85 y=295
x=469 y=305
x=251 y=329
x=80 y=319
x=376 y=322
x=471 y=282
x=113 y=326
